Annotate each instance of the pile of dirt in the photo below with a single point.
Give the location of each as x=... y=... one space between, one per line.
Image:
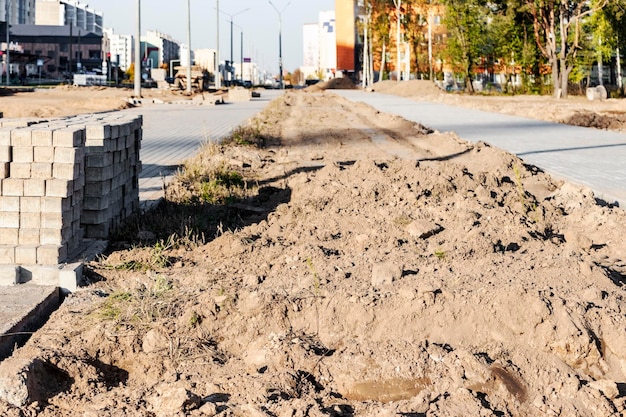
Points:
x=380 y=270
x=410 y=88
x=339 y=83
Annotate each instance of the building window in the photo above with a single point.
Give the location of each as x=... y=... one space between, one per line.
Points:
x=52 y=54
x=38 y=52
x=94 y=54
x=51 y=68
x=64 y=47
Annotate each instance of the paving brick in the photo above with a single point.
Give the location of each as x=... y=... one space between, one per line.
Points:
x=19 y=170
x=69 y=137
x=30 y=204
x=42 y=137
x=99 y=160
x=8 y=204
x=94 y=174
x=98 y=131
x=26 y=254
x=13 y=187
x=98 y=189
x=30 y=220
x=55 y=236
x=10 y=219
x=21 y=137
x=7 y=255
x=28 y=236
x=68 y=155
x=51 y=254
x=41 y=170
x=9 y=275
x=65 y=171
x=34 y=187
x=96 y=216
x=9 y=236
x=58 y=188
x=51 y=220
x=43 y=154
x=95 y=203
x=22 y=154
x=98 y=231
x=5 y=153
x=4 y=170
x=5 y=136
x=55 y=205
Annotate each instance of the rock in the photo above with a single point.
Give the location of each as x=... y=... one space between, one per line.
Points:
x=385 y=273
x=26 y=381
x=15 y=375
x=423 y=229
x=155 y=341
x=578 y=240
x=606 y=387
x=208 y=410
x=174 y=398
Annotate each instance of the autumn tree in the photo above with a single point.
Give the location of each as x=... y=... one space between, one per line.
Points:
x=557 y=26
x=467 y=22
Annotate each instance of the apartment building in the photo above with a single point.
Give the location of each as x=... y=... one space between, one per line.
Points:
x=121 y=48
x=68 y=12
x=158 y=48
x=21 y=12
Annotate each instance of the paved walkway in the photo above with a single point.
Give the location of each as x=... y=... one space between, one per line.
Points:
x=173 y=132
x=590 y=157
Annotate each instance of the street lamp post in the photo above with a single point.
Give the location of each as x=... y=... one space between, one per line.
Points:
x=137 y=75
x=8 y=62
x=232 y=58
x=189 y=46
x=399 y=73
x=218 y=83
x=280 y=40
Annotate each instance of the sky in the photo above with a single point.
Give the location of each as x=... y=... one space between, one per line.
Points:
x=257 y=19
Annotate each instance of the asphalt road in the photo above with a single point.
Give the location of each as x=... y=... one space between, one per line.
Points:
x=590 y=157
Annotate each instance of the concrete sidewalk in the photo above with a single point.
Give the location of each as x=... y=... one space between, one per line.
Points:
x=590 y=157
x=173 y=132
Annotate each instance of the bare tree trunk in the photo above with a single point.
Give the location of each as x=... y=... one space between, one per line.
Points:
x=383 y=62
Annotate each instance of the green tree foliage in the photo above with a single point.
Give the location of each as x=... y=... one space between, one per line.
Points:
x=467 y=22
x=558 y=30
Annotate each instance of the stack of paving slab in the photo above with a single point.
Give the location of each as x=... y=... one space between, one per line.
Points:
x=63 y=183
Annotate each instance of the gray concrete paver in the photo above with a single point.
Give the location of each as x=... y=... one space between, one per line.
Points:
x=590 y=157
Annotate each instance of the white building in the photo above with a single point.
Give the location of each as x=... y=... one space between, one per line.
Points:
x=320 y=47
x=205 y=59
x=121 y=48
x=22 y=12
x=68 y=12
x=184 y=55
x=159 y=48
x=250 y=71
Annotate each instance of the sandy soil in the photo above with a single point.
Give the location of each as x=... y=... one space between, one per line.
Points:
x=377 y=269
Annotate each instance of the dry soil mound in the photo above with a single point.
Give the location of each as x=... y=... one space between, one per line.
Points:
x=378 y=271
x=411 y=88
x=340 y=83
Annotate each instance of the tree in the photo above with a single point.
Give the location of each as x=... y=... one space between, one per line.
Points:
x=557 y=26
x=130 y=72
x=467 y=22
x=380 y=27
